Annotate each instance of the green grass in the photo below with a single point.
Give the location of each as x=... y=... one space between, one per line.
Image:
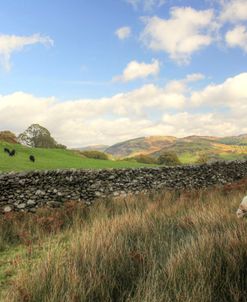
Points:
x=188 y=158
x=231 y=156
x=191 y=158
x=167 y=246
x=54 y=159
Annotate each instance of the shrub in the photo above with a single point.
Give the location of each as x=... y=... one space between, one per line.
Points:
x=145 y=159
x=60 y=146
x=131 y=159
x=203 y=158
x=95 y=154
x=8 y=137
x=169 y=159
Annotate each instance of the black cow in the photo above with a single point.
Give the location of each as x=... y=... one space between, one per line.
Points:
x=12 y=153
x=6 y=150
x=32 y=158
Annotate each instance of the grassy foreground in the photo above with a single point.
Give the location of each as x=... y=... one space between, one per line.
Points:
x=53 y=159
x=162 y=247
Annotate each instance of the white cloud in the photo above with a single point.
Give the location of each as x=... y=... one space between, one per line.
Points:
x=123 y=32
x=237 y=37
x=146 y=5
x=207 y=124
x=149 y=110
x=186 y=32
x=181 y=86
x=234 y=10
x=136 y=70
x=86 y=121
x=12 y=43
x=230 y=95
x=194 y=77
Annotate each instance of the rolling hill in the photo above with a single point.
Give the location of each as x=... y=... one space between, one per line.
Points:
x=240 y=140
x=53 y=159
x=101 y=148
x=51 y=154
x=187 y=148
x=141 y=145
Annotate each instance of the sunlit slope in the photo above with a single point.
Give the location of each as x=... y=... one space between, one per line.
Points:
x=189 y=148
x=52 y=159
x=141 y=145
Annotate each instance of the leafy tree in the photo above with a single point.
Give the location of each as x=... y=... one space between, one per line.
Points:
x=169 y=159
x=95 y=154
x=38 y=137
x=145 y=159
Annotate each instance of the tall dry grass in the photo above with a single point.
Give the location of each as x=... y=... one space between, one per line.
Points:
x=167 y=246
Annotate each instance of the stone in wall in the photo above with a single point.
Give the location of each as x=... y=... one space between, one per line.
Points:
x=27 y=191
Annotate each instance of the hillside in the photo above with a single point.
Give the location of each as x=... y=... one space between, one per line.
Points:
x=190 y=144
x=188 y=148
x=141 y=145
x=101 y=148
x=53 y=159
x=240 y=140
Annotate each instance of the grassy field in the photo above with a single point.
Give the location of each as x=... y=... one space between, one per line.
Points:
x=53 y=159
x=191 y=158
x=168 y=246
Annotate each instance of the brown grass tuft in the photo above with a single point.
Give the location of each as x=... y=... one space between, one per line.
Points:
x=160 y=247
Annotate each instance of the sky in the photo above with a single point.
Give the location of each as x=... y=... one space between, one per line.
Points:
x=105 y=71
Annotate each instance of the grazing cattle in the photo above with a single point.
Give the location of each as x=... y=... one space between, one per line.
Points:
x=6 y=150
x=12 y=153
x=32 y=158
x=242 y=210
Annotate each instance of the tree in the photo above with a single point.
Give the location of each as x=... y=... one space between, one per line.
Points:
x=203 y=158
x=145 y=159
x=169 y=159
x=95 y=154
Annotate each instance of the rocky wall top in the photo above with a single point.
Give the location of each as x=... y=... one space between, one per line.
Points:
x=30 y=190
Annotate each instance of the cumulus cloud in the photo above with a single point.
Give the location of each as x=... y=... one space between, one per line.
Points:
x=181 y=86
x=136 y=70
x=207 y=124
x=230 y=96
x=149 y=110
x=86 y=121
x=234 y=10
x=146 y=5
x=237 y=37
x=185 y=32
x=123 y=32
x=12 y=43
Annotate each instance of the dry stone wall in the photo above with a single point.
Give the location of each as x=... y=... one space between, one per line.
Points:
x=29 y=190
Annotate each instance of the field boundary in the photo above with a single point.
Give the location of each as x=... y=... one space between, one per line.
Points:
x=28 y=191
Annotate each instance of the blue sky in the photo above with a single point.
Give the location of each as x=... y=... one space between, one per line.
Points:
x=141 y=64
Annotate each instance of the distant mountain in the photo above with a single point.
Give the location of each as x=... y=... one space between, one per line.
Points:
x=8 y=137
x=39 y=137
x=193 y=145
x=101 y=148
x=190 y=144
x=227 y=147
x=240 y=140
x=141 y=145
